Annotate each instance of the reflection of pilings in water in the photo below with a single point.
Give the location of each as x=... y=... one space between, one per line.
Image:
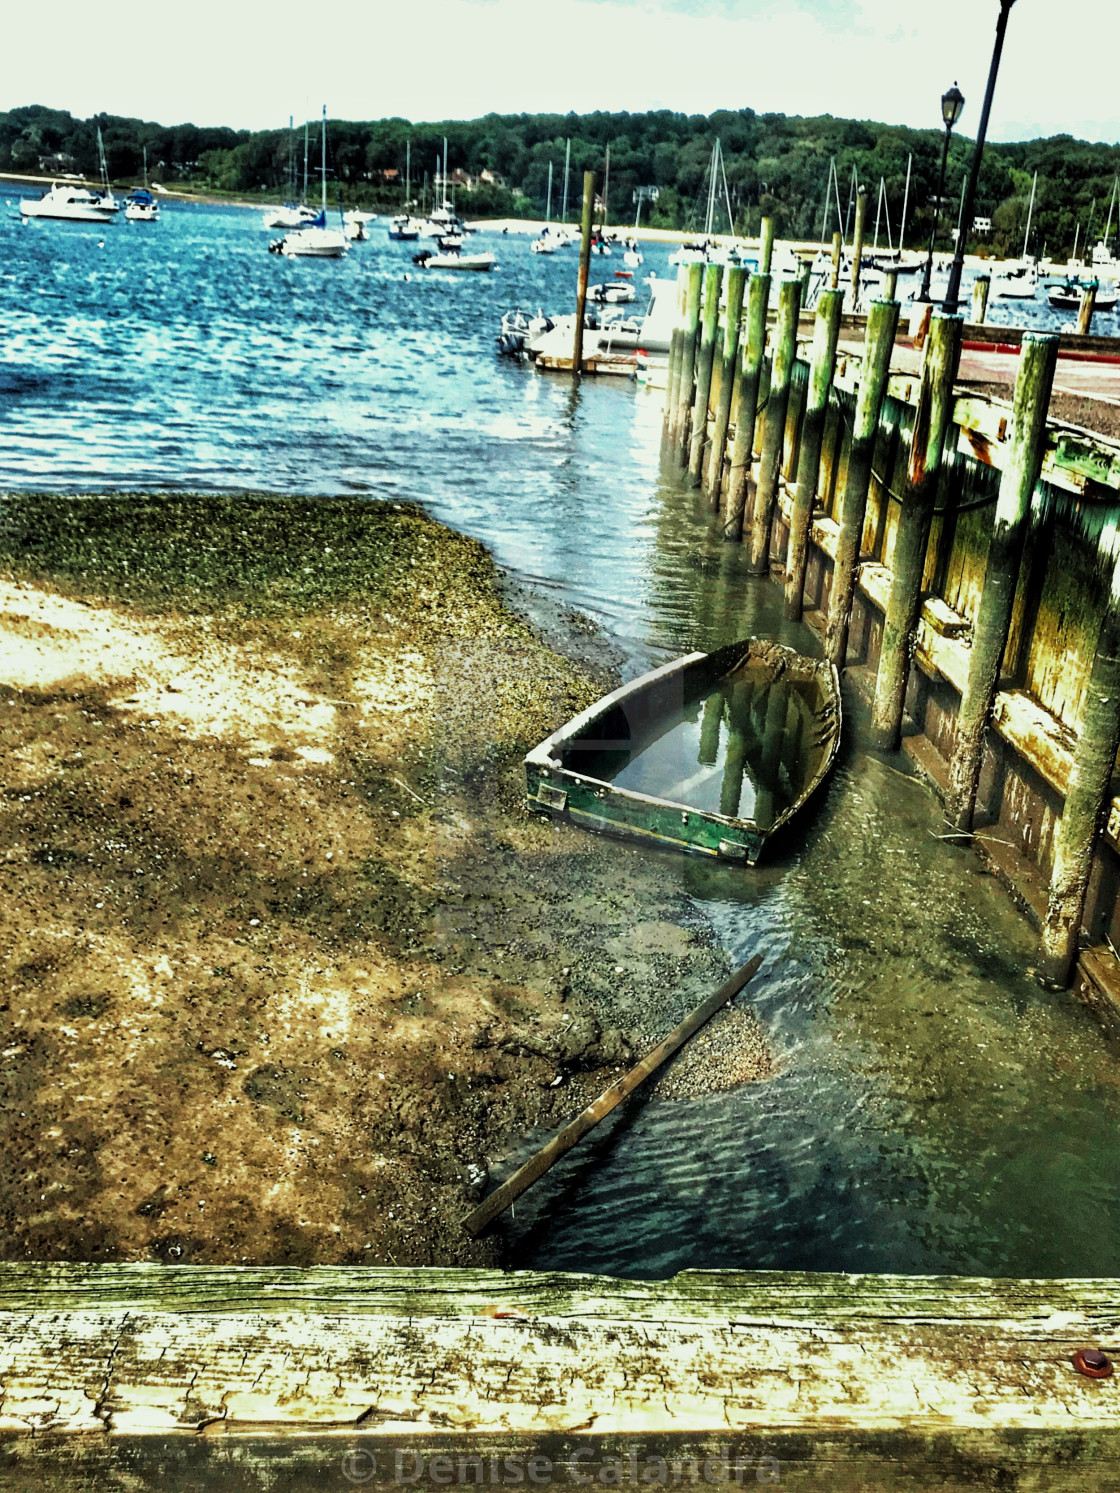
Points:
x=773 y=732
x=710 y=729
x=738 y=711
x=793 y=743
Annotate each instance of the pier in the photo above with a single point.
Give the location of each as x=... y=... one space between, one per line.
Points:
x=955 y=543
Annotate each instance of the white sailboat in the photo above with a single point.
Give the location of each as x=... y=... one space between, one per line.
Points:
x=1019 y=282
x=140 y=206
x=404 y=228
x=75 y=204
x=295 y=214
x=319 y=241
x=707 y=250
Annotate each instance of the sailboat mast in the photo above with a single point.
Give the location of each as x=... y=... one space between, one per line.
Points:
x=323 y=138
x=548 y=207
x=827 y=200
x=291 y=155
x=445 y=168
x=407 y=171
x=905 y=205
x=606 y=186
x=306 y=126
x=567 y=164
x=1107 y=226
x=1030 y=214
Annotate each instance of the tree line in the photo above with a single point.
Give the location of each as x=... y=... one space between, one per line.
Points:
x=775 y=164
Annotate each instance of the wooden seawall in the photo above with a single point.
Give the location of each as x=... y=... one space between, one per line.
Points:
x=147 y=1377
x=976 y=562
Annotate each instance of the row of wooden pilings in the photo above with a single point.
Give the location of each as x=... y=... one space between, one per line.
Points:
x=724 y=431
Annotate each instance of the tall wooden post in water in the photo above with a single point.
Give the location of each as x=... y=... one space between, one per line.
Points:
x=678 y=435
x=1033 y=386
x=932 y=421
x=676 y=345
x=709 y=325
x=1094 y=760
x=1085 y=313
x=826 y=334
x=713 y=477
x=752 y=351
x=980 y=288
x=882 y=323
x=785 y=351
x=584 y=269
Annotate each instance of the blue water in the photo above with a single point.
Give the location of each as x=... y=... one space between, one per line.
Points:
x=933 y=1108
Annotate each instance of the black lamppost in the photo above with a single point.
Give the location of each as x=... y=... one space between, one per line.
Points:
x=953 y=291
x=952 y=103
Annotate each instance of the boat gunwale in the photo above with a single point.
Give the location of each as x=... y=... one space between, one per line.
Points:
x=541 y=756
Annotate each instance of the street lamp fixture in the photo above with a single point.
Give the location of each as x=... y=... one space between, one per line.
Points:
x=952 y=102
x=953 y=290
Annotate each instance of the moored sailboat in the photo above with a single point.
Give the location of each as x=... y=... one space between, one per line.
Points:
x=316 y=241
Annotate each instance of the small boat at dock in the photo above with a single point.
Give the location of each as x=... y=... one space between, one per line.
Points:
x=1067 y=296
x=713 y=753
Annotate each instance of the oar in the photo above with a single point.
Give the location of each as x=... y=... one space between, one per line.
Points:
x=522 y=1179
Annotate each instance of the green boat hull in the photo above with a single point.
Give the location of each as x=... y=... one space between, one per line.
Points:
x=554 y=788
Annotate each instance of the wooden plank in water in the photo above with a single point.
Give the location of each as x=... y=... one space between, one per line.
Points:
x=535 y=1168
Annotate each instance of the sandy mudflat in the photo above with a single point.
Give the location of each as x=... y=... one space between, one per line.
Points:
x=286 y=960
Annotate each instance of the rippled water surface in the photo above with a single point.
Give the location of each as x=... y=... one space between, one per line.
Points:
x=934 y=1109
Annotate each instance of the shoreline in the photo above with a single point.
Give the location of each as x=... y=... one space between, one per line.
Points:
x=292 y=967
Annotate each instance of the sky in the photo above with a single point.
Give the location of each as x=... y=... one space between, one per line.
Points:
x=245 y=64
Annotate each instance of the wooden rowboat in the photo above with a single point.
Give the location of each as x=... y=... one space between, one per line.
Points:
x=713 y=753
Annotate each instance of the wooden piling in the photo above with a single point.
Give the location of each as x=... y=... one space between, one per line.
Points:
x=837 y=250
x=882 y=323
x=1085 y=314
x=890 y=286
x=980 y=288
x=736 y=283
x=673 y=376
x=752 y=351
x=1094 y=760
x=785 y=351
x=826 y=334
x=584 y=270
x=857 y=247
x=932 y=421
x=679 y=431
x=805 y=279
x=1033 y=386
x=713 y=283
x=765 y=245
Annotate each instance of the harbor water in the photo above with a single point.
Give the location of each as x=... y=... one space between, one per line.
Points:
x=933 y=1108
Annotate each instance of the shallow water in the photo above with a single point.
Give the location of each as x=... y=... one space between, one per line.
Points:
x=934 y=1109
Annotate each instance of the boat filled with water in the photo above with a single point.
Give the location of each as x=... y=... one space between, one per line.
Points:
x=713 y=753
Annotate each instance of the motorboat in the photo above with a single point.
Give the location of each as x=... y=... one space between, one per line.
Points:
x=141 y=207
x=405 y=229
x=355 y=230
x=619 y=293
x=1067 y=296
x=357 y=215
x=713 y=753
x=518 y=328
x=294 y=215
x=543 y=245
x=1019 y=283
x=71 y=204
x=454 y=259
x=316 y=241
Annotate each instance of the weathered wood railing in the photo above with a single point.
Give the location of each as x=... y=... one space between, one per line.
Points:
x=985 y=551
x=155 y=1377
